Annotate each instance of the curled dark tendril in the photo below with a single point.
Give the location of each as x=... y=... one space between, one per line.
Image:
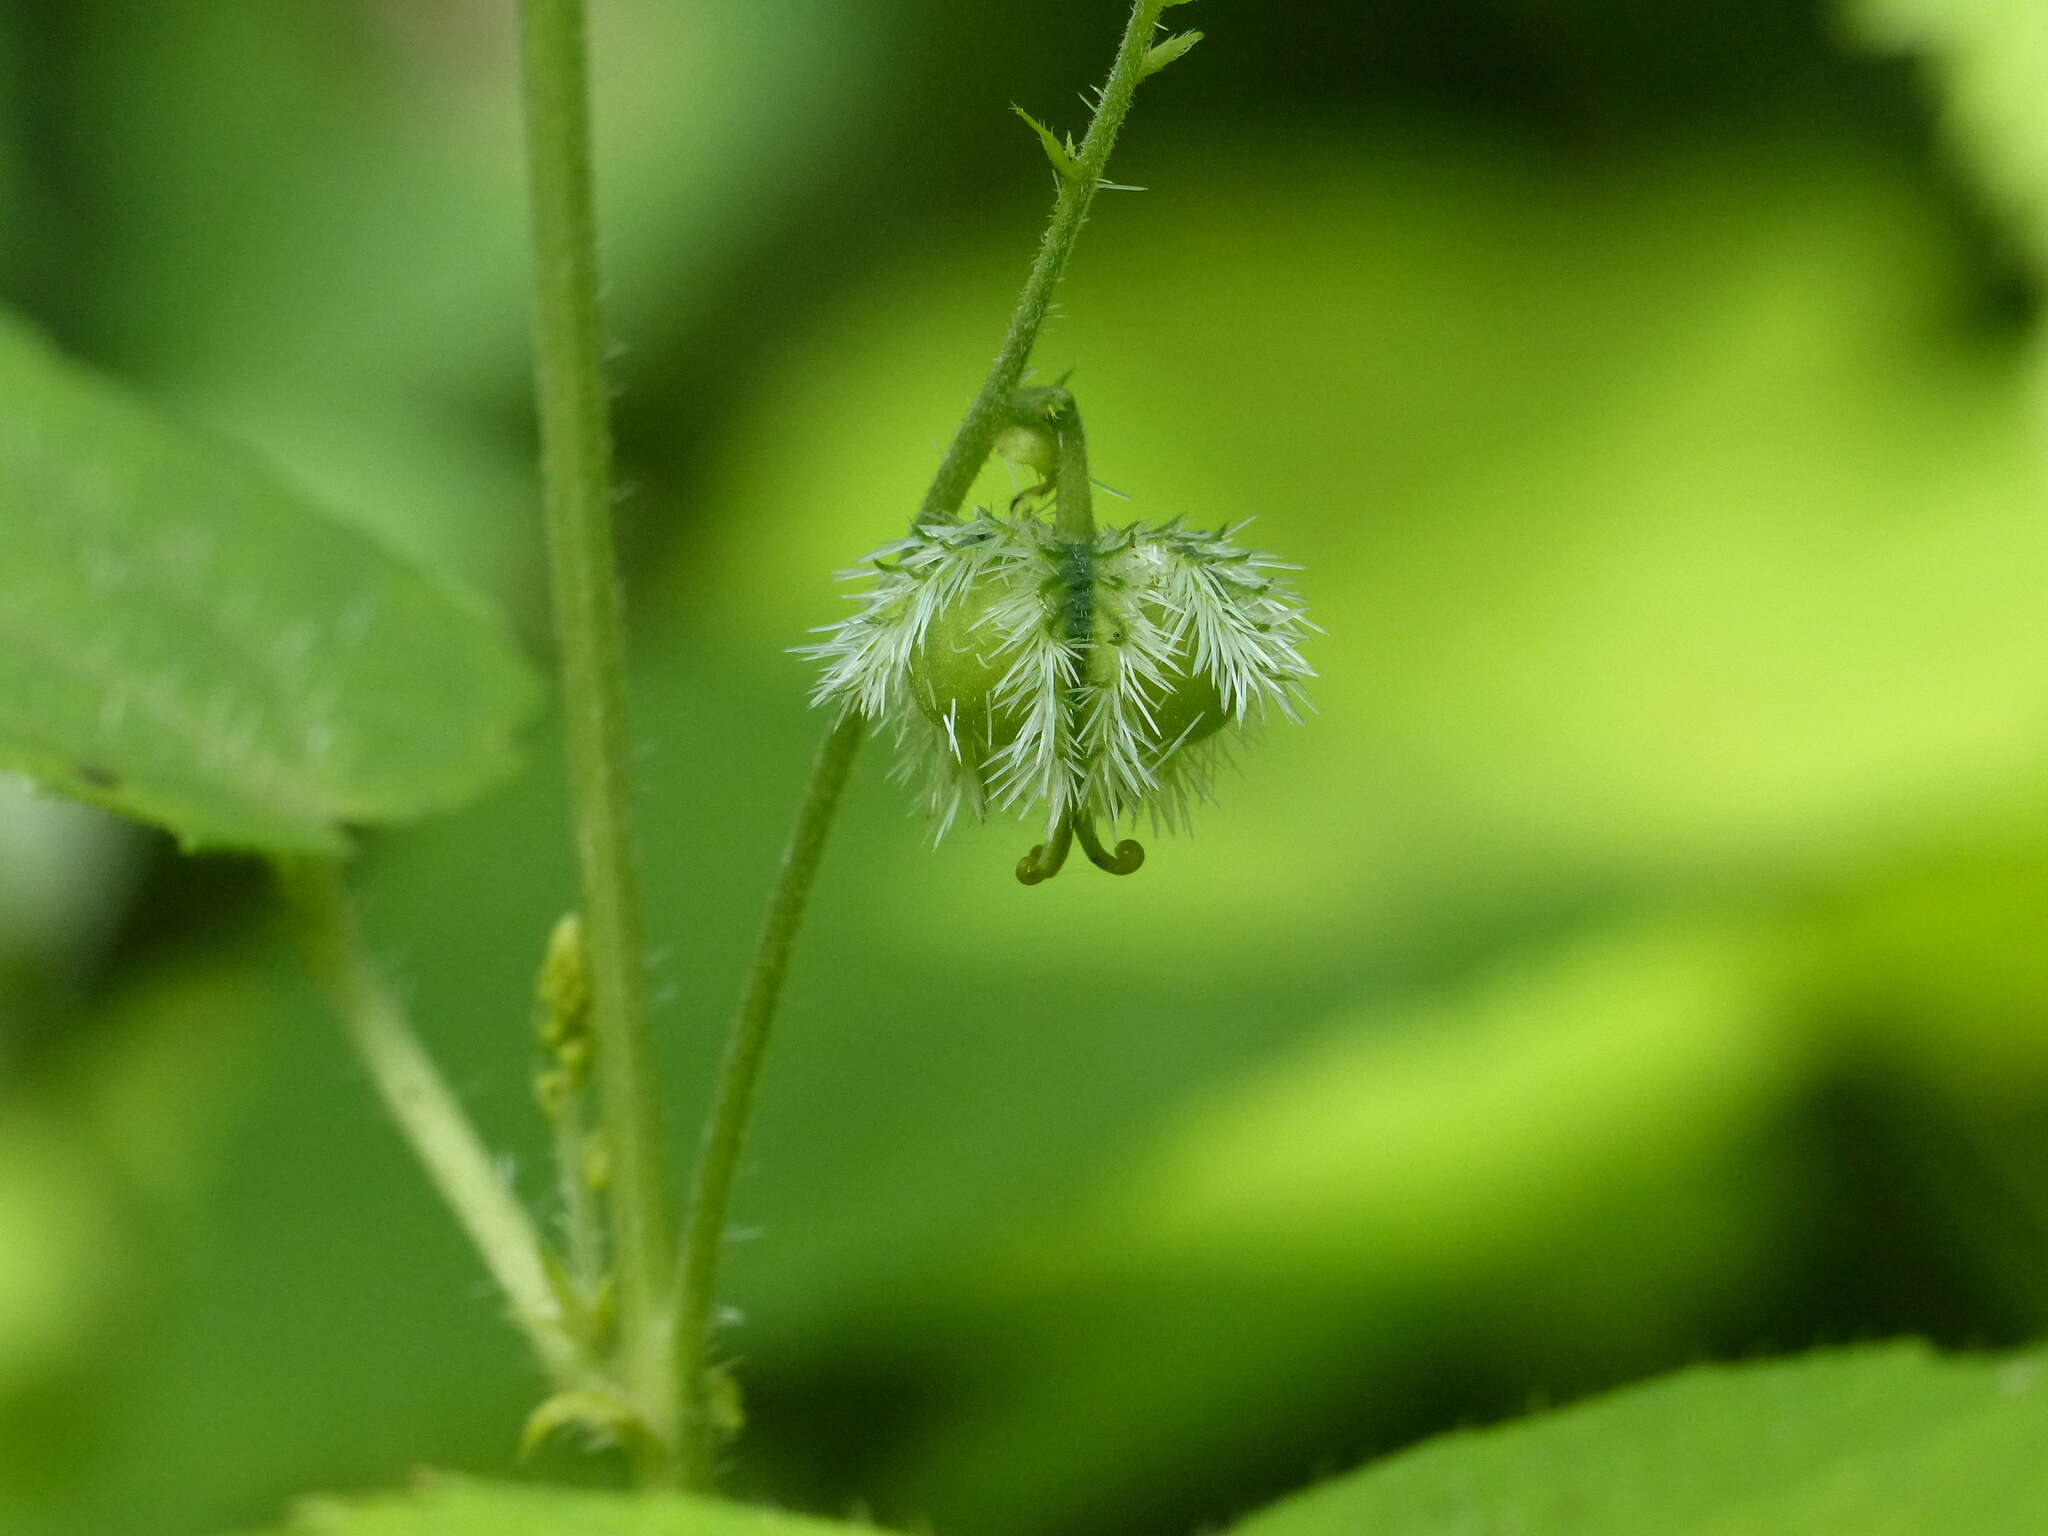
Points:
x=1128 y=855
x=1044 y=861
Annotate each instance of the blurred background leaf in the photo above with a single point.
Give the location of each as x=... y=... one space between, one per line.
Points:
x=189 y=642
x=1636 y=959
x=1987 y=59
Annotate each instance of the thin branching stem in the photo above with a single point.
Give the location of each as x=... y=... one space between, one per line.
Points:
x=576 y=462
x=725 y=1133
x=991 y=410
x=427 y=1113
x=985 y=418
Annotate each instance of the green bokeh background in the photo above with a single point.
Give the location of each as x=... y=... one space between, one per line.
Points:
x=1639 y=958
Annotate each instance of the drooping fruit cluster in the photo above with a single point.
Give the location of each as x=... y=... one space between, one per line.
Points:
x=1045 y=666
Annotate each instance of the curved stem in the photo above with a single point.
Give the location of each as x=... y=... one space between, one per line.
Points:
x=1045 y=859
x=976 y=438
x=704 y=1235
x=1125 y=859
x=986 y=417
x=576 y=462
x=427 y=1113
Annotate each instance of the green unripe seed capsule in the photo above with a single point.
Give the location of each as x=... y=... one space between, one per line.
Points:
x=1081 y=674
x=956 y=675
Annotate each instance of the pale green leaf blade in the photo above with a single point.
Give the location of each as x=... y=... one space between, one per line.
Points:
x=1892 y=1441
x=452 y=1507
x=1064 y=165
x=185 y=640
x=1163 y=54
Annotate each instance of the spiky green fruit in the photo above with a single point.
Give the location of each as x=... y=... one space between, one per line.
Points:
x=1077 y=680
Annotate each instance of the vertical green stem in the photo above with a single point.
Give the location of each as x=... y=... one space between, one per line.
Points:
x=725 y=1133
x=427 y=1114
x=1073 y=491
x=576 y=467
x=972 y=443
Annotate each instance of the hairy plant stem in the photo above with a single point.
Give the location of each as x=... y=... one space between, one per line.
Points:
x=1073 y=491
x=575 y=429
x=985 y=417
x=582 y=1212
x=725 y=1132
x=990 y=412
x=427 y=1114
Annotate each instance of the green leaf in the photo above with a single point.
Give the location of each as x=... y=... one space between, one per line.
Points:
x=1882 y=1442
x=185 y=640
x=1061 y=155
x=457 y=1508
x=606 y=1416
x=1163 y=54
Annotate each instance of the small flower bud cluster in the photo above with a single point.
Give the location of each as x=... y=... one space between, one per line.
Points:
x=562 y=989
